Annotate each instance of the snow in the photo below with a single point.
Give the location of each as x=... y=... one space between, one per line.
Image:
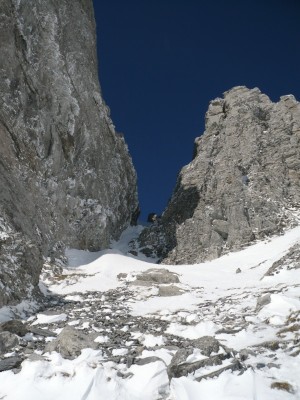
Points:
x=119 y=352
x=165 y=355
x=229 y=386
x=279 y=309
x=196 y=356
x=149 y=340
x=206 y=328
x=99 y=271
x=212 y=294
x=148 y=381
x=49 y=319
x=164 y=305
x=20 y=310
x=101 y=339
x=247 y=337
x=83 y=378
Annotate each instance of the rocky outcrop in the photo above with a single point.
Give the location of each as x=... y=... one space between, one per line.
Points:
x=290 y=261
x=242 y=185
x=66 y=178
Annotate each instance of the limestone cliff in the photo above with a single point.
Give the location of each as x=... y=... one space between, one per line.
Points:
x=66 y=178
x=243 y=183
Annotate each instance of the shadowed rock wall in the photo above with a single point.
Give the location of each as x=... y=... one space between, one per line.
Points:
x=66 y=178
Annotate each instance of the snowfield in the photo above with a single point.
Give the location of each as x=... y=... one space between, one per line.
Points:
x=146 y=326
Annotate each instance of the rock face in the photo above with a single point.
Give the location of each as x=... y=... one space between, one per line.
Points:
x=66 y=178
x=243 y=183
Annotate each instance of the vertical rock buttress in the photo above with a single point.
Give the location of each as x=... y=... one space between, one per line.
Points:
x=66 y=177
x=243 y=183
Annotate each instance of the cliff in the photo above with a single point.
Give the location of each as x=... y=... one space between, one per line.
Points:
x=66 y=178
x=243 y=183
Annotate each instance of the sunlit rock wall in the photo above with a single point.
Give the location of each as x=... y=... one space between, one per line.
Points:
x=243 y=183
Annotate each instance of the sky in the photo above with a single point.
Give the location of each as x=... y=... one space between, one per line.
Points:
x=162 y=61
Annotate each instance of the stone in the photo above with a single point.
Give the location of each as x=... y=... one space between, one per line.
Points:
x=7 y=342
x=122 y=275
x=238 y=271
x=14 y=326
x=147 y=360
x=263 y=301
x=126 y=375
x=129 y=361
x=179 y=357
x=170 y=290
x=273 y=365
x=245 y=353
x=66 y=177
x=271 y=345
x=290 y=261
x=285 y=386
x=10 y=363
x=35 y=358
x=290 y=328
x=139 y=282
x=41 y=332
x=158 y=276
x=234 y=366
x=207 y=345
x=70 y=342
x=243 y=183
x=183 y=369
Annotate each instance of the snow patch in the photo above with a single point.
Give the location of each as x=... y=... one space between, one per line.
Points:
x=49 y=319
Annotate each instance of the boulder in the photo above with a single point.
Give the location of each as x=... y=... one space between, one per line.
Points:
x=158 y=276
x=7 y=342
x=169 y=290
x=14 y=326
x=207 y=345
x=70 y=342
x=10 y=363
x=263 y=301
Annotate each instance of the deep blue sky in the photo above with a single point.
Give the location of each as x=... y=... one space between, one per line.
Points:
x=162 y=61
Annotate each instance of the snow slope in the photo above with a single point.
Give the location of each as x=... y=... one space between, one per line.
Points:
x=214 y=300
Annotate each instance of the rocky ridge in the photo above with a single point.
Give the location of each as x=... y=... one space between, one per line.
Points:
x=242 y=185
x=66 y=178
